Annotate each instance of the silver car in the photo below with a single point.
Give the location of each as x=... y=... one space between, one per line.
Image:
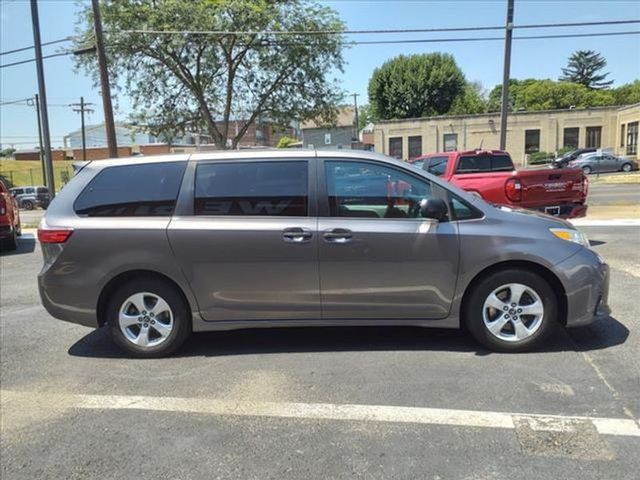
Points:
x=156 y=248
x=602 y=162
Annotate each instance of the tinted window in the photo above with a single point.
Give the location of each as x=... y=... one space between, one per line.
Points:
x=437 y=165
x=43 y=190
x=252 y=188
x=30 y=191
x=148 y=190
x=484 y=163
x=361 y=189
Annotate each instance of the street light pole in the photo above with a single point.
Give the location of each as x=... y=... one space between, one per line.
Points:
x=44 y=168
x=104 y=81
x=46 y=137
x=82 y=108
x=355 y=104
x=505 y=75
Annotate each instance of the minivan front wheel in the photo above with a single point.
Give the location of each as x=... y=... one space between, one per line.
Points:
x=148 y=318
x=511 y=310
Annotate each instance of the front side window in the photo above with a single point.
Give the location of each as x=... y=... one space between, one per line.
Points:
x=369 y=190
x=146 y=190
x=531 y=141
x=594 y=137
x=437 y=165
x=252 y=188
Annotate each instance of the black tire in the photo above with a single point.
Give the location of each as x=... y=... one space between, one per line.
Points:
x=10 y=243
x=627 y=167
x=181 y=316
x=473 y=315
x=28 y=205
x=586 y=169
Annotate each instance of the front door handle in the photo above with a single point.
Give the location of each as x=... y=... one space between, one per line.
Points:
x=296 y=235
x=337 y=235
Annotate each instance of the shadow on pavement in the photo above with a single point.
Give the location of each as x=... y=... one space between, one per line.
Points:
x=26 y=244
x=603 y=334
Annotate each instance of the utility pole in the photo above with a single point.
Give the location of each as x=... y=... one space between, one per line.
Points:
x=46 y=137
x=104 y=81
x=355 y=104
x=35 y=102
x=505 y=75
x=81 y=109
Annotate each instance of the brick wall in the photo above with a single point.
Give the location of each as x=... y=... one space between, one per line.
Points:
x=35 y=156
x=100 y=153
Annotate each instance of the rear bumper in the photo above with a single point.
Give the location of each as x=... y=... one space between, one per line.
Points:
x=5 y=231
x=69 y=313
x=585 y=277
x=573 y=210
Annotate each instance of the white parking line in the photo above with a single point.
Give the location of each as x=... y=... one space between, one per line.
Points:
x=326 y=411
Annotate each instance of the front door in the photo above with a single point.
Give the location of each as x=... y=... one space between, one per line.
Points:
x=379 y=259
x=249 y=247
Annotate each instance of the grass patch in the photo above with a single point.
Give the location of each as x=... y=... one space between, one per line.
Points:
x=25 y=172
x=616 y=178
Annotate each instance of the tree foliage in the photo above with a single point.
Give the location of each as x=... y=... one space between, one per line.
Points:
x=415 y=86
x=627 y=94
x=532 y=95
x=585 y=68
x=471 y=100
x=195 y=81
x=366 y=115
x=285 y=141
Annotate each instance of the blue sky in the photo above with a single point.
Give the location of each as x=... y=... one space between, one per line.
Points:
x=481 y=61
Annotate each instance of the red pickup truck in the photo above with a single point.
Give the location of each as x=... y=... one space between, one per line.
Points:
x=491 y=175
x=10 y=227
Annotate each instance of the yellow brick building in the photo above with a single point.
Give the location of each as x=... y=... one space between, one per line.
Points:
x=614 y=128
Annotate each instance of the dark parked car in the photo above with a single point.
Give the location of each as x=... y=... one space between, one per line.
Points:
x=563 y=161
x=158 y=247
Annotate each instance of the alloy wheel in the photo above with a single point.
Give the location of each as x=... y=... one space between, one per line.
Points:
x=513 y=312
x=145 y=319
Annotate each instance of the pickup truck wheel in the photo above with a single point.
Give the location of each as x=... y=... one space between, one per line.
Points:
x=626 y=167
x=27 y=205
x=586 y=169
x=511 y=310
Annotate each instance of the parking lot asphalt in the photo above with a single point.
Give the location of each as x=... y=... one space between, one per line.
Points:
x=321 y=402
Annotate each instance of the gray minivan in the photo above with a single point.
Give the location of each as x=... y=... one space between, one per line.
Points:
x=156 y=248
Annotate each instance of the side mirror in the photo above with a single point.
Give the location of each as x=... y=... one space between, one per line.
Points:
x=435 y=208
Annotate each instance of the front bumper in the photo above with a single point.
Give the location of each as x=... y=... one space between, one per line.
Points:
x=586 y=281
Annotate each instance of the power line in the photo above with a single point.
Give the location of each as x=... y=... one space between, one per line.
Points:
x=376 y=31
x=61 y=54
x=53 y=42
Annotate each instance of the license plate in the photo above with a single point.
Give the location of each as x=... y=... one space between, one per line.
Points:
x=555 y=211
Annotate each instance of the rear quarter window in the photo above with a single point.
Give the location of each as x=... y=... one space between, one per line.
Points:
x=146 y=190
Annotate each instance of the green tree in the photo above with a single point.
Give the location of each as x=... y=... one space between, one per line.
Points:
x=471 y=100
x=8 y=152
x=585 y=68
x=415 y=86
x=366 y=115
x=210 y=80
x=627 y=94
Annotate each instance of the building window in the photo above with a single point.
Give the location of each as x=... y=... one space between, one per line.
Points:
x=632 y=138
x=415 y=146
x=622 y=134
x=531 y=141
x=571 y=137
x=594 y=137
x=450 y=142
x=395 y=147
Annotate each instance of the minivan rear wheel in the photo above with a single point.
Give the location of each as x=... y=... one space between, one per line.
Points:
x=148 y=318
x=511 y=310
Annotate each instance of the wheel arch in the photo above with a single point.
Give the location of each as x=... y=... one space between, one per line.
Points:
x=112 y=285
x=544 y=272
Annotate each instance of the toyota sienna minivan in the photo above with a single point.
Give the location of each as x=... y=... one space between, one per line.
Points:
x=156 y=248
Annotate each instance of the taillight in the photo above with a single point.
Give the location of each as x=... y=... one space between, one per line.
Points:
x=513 y=189
x=54 y=235
x=3 y=206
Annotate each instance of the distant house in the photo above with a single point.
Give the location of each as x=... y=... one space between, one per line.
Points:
x=341 y=135
x=96 y=136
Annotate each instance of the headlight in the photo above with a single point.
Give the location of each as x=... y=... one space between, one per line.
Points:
x=571 y=235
